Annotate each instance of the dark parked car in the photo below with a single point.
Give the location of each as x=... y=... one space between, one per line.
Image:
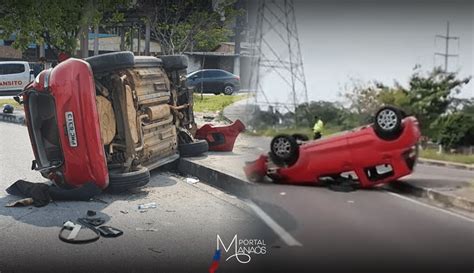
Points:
x=214 y=81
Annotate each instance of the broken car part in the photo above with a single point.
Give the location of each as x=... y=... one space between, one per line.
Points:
x=220 y=138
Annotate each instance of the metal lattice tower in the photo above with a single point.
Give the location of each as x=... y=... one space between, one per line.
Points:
x=277 y=54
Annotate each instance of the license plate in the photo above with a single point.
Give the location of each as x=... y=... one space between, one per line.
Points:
x=71 y=129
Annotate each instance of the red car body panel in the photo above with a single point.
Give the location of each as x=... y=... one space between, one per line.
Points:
x=71 y=84
x=220 y=138
x=351 y=151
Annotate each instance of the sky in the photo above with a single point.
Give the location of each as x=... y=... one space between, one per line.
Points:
x=375 y=40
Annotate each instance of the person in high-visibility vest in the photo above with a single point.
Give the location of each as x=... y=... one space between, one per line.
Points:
x=318 y=127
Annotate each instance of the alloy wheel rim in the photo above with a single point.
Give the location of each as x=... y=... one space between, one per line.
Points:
x=282 y=147
x=387 y=119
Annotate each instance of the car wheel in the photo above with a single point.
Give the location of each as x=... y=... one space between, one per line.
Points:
x=174 y=62
x=120 y=181
x=229 y=89
x=196 y=148
x=284 y=150
x=388 y=122
x=111 y=61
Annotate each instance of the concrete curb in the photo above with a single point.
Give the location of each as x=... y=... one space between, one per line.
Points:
x=13 y=118
x=441 y=163
x=216 y=178
x=428 y=193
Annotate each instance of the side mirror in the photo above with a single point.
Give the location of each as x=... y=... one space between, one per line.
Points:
x=32 y=72
x=18 y=100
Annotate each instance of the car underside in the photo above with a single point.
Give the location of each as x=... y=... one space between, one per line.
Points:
x=120 y=113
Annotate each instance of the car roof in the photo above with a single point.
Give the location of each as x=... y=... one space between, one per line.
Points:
x=210 y=69
x=14 y=62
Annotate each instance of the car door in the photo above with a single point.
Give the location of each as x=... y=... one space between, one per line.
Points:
x=207 y=79
x=195 y=80
x=220 y=80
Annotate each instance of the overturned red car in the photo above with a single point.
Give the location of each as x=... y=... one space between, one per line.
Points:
x=370 y=155
x=110 y=119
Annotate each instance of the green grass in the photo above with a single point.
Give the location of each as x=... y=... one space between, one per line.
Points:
x=213 y=103
x=10 y=101
x=459 y=158
x=271 y=132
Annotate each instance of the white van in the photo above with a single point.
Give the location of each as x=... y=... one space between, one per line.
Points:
x=14 y=76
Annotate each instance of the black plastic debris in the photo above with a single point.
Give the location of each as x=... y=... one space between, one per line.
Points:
x=43 y=193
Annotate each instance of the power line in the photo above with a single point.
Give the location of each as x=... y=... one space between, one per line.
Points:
x=446 y=54
x=277 y=52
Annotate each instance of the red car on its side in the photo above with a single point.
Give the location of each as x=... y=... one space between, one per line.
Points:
x=110 y=119
x=374 y=154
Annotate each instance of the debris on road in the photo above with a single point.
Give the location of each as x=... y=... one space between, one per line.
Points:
x=191 y=180
x=94 y=224
x=151 y=205
x=146 y=229
x=43 y=193
x=20 y=203
x=91 y=213
x=208 y=118
x=124 y=211
x=155 y=250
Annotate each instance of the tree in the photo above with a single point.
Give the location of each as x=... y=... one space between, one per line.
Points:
x=188 y=25
x=430 y=95
x=427 y=96
x=329 y=112
x=454 y=130
x=55 y=23
x=362 y=97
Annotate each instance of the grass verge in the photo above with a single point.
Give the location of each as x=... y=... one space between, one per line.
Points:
x=10 y=101
x=271 y=132
x=458 y=158
x=213 y=103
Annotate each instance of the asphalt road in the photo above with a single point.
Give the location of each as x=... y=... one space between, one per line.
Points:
x=369 y=230
x=180 y=235
x=306 y=229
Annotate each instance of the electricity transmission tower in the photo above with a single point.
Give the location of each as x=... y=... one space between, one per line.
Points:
x=277 y=56
x=446 y=54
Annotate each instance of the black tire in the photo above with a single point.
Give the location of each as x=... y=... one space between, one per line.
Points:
x=174 y=62
x=111 y=61
x=196 y=148
x=120 y=182
x=388 y=122
x=147 y=61
x=284 y=150
x=300 y=137
x=228 y=89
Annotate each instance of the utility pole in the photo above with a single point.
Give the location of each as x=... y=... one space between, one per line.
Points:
x=277 y=52
x=446 y=54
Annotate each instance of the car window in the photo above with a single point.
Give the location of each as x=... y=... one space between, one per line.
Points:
x=6 y=69
x=195 y=74
x=208 y=74
x=221 y=73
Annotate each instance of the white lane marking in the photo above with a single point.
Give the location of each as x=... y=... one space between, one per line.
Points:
x=281 y=232
x=429 y=206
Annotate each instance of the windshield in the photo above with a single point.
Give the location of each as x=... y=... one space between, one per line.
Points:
x=44 y=129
